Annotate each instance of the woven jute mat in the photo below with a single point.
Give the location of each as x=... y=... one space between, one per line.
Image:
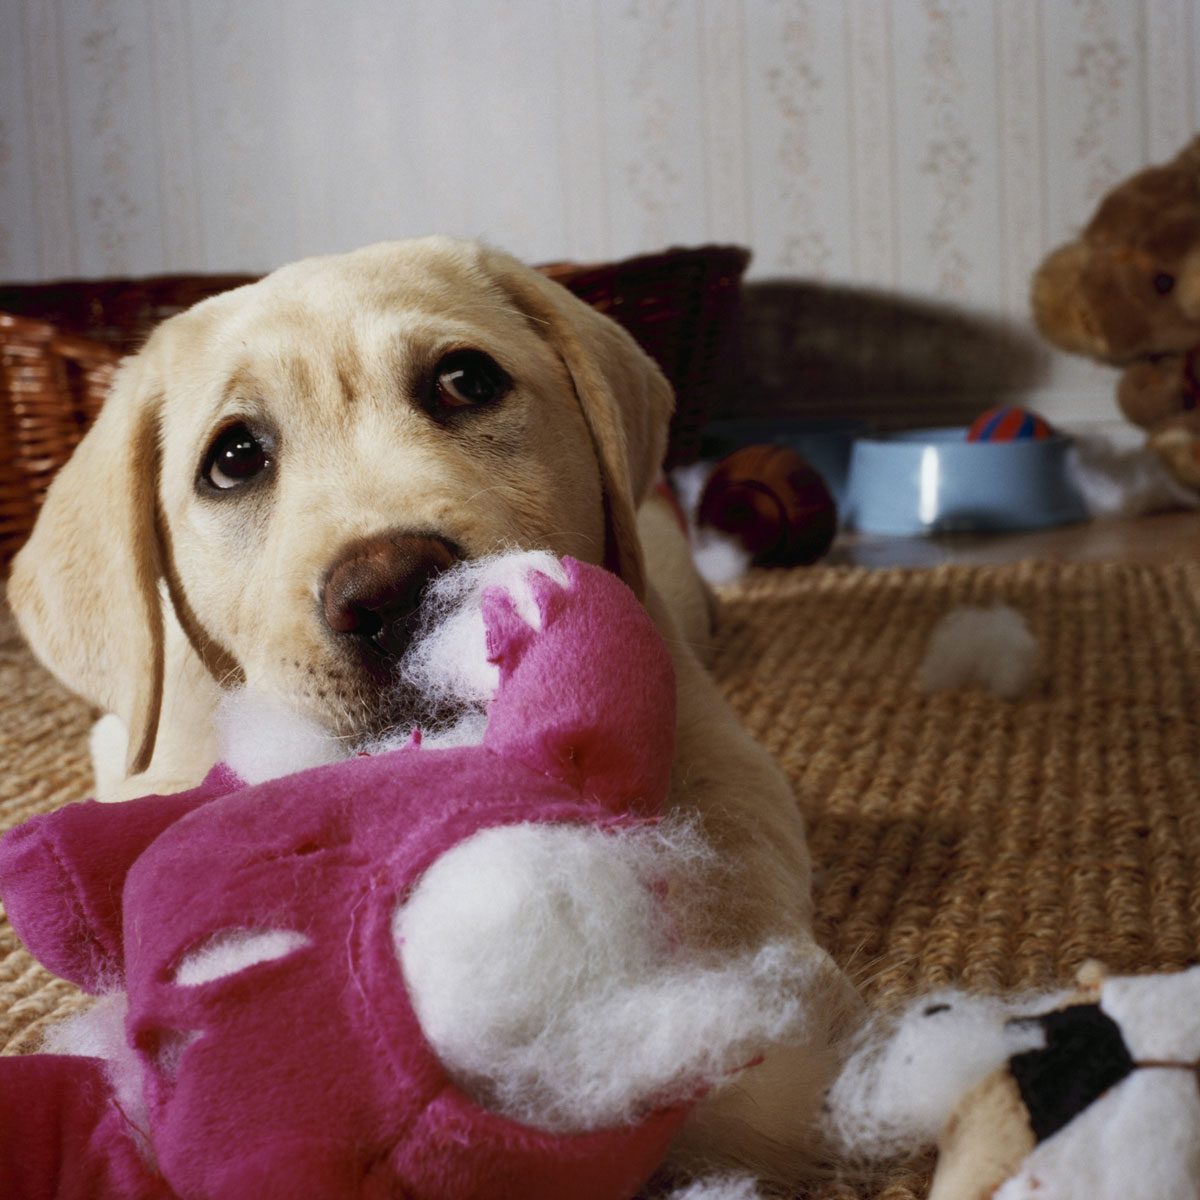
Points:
x=961 y=839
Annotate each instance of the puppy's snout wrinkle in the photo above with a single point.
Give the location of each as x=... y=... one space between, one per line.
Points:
x=374 y=589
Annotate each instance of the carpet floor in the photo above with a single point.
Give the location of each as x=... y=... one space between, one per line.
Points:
x=960 y=839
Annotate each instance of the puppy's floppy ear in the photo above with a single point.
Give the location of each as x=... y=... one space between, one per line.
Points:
x=626 y=400
x=84 y=587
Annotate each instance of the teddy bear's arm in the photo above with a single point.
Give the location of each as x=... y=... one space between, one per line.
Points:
x=62 y=1136
x=62 y=876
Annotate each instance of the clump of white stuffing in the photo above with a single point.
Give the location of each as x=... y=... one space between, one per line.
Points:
x=720 y=558
x=719 y=1187
x=1120 y=480
x=545 y=966
x=99 y=1032
x=990 y=648
x=909 y=1070
x=446 y=667
x=448 y=657
x=234 y=950
x=261 y=738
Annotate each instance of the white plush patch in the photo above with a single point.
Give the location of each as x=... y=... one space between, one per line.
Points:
x=1141 y=1138
x=909 y=1070
x=546 y=970
x=262 y=739
x=1159 y=1015
x=1124 y=481
x=991 y=648
x=234 y=950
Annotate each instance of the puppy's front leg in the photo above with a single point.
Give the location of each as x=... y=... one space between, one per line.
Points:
x=765 y=1118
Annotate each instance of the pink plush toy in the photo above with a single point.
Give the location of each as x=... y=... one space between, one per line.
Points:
x=303 y=1071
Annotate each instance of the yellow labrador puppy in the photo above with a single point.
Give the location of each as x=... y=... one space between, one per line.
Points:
x=279 y=472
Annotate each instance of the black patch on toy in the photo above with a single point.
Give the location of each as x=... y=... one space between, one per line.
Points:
x=1083 y=1057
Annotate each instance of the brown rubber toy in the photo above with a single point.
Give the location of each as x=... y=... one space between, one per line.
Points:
x=773 y=502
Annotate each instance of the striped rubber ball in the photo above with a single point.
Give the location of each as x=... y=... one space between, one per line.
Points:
x=1007 y=423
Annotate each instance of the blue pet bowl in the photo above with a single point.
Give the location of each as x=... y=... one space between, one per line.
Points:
x=935 y=481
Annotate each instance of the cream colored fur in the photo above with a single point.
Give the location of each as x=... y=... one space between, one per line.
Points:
x=147 y=596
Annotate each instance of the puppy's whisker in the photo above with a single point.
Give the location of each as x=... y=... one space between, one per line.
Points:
x=495 y=487
x=578 y=534
x=229 y=679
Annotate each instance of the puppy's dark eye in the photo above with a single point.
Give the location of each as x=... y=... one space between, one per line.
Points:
x=237 y=456
x=468 y=379
x=1164 y=284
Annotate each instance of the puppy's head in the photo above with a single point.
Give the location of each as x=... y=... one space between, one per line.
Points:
x=290 y=462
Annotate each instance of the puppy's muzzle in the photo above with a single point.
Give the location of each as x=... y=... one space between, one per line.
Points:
x=373 y=591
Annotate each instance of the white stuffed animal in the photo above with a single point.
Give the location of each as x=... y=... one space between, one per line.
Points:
x=1087 y=1095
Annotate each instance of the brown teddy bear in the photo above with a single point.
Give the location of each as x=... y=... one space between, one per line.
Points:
x=1127 y=292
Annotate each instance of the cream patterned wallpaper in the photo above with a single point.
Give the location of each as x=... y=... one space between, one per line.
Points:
x=933 y=149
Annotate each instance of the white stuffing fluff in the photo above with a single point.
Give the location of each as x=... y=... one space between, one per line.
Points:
x=448 y=657
x=719 y=557
x=547 y=972
x=991 y=648
x=719 y=1187
x=99 y=1032
x=908 y=1071
x=446 y=667
x=468 y=730
x=233 y=950
x=688 y=484
x=262 y=739
x=1122 y=480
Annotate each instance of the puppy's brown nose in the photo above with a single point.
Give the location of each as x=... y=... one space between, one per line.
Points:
x=374 y=589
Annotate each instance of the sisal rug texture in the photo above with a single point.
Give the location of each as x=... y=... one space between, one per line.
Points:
x=960 y=839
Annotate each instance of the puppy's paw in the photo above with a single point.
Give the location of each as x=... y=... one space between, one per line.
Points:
x=108 y=743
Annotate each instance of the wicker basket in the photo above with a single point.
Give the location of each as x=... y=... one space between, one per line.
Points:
x=59 y=344
x=51 y=387
x=683 y=307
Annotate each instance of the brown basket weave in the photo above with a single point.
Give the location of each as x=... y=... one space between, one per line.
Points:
x=59 y=343
x=51 y=387
x=683 y=307
x=117 y=312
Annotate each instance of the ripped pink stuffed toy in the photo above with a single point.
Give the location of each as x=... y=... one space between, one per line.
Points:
x=270 y=1045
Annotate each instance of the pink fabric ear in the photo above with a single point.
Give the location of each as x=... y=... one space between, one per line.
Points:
x=62 y=876
x=590 y=698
